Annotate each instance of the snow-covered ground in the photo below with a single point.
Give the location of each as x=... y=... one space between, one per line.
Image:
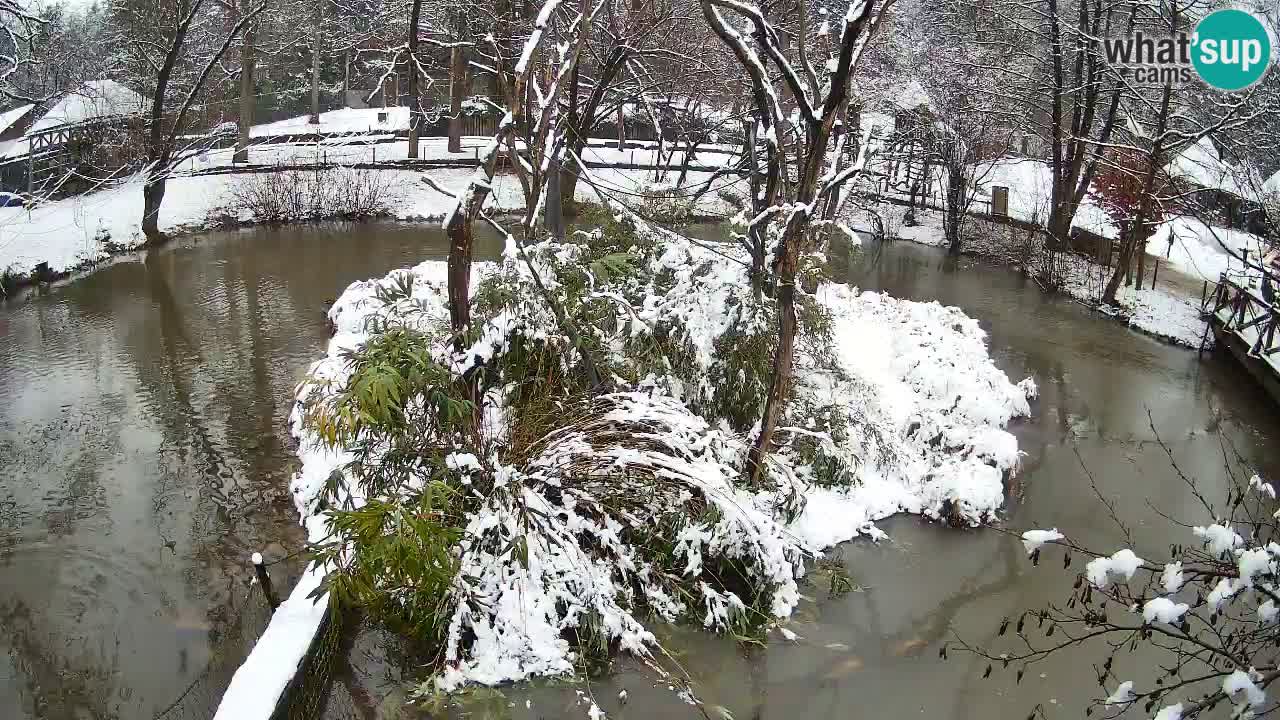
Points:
x=70 y=233
x=1195 y=248
x=1168 y=311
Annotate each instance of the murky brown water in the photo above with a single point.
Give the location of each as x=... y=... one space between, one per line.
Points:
x=143 y=456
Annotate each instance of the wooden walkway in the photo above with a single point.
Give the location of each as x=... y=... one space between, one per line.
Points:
x=1245 y=323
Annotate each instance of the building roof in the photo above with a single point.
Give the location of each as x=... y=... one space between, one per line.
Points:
x=1272 y=185
x=1201 y=164
x=92 y=101
x=9 y=117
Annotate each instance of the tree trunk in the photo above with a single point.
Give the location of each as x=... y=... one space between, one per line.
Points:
x=850 y=134
x=954 y=212
x=152 y=198
x=569 y=174
x=457 y=91
x=315 y=66
x=1141 y=250
x=247 y=66
x=415 y=117
x=552 y=215
x=346 y=77
x=1117 y=276
x=780 y=384
x=1059 y=225
x=461 y=237
x=756 y=235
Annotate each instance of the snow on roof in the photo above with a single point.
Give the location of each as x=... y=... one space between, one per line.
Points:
x=1272 y=185
x=94 y=100
x=909 y=96
x=9 y=117
x=1201 y=164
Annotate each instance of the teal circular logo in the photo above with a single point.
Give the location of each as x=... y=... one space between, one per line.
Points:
x=1232 y=50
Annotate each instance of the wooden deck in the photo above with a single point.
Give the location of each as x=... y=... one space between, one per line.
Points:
x=1245 y=324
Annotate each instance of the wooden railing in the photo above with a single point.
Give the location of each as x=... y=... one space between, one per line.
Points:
x=1243 y=311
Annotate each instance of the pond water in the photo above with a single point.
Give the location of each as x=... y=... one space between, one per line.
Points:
x=144 y=455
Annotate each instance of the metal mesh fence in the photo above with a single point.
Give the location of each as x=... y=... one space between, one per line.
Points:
x=246 y=622
x=303 y=699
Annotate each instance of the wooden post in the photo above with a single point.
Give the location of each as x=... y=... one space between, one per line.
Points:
x=553 y=214
x=264 y=580
x=1155 y=271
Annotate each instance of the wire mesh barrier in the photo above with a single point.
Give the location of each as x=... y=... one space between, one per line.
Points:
x=304 y=698
x=235 y=638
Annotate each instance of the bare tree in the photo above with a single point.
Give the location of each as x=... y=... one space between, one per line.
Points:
x=784 y=208
x=1041 y=66
x=193 y=37
x=1163 y=121
x=531 y=138
x=19 y=23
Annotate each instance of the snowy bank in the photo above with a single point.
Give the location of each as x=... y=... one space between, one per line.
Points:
x=1166 y=311
x=928 y=410
x=1198 y=249
x=75 y=232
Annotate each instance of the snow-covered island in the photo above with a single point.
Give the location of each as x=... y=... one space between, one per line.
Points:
x=897 y=408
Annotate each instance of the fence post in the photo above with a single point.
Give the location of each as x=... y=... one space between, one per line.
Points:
x=265 y=581
x=1155 y=271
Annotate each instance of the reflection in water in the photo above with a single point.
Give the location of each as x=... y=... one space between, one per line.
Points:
x=144 y=455
x=873 y=652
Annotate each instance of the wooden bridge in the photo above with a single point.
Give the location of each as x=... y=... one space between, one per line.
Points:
x=1244 y=323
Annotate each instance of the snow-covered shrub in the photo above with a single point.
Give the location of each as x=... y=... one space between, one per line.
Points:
x=556 y=516
x=574 y=511
x=306 y=195
x=667 y=203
